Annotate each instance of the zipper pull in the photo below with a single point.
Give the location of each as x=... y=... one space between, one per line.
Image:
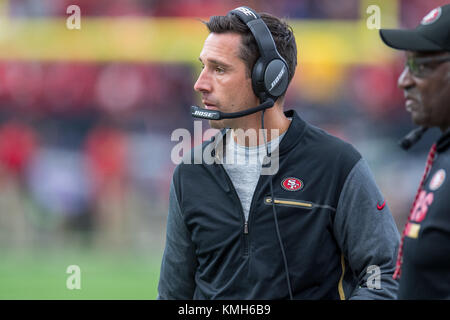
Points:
x=246 y=227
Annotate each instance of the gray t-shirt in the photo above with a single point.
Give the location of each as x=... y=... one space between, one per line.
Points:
x=243 y=165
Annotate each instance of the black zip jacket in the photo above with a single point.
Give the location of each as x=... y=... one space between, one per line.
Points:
x=426 y=253
x=338 y=234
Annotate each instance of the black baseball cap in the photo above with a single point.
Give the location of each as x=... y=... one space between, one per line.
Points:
x=432 y=34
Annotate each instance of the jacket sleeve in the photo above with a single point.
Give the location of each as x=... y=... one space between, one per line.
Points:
x=177 y=276
x=367 y=235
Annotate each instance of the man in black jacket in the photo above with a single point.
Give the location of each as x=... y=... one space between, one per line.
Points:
x=424 y=255
x=317 y=227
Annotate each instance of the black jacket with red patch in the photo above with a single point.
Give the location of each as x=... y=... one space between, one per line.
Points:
x=426 y=254
x=338 y=234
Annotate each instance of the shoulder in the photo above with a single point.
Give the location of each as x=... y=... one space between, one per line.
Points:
x=193 y=161
x=330 y=147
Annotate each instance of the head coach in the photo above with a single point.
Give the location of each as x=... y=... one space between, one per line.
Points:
x=424 y=257
x=317 y=228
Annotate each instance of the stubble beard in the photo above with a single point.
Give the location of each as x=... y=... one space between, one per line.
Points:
x=216 y=124
x=222 y=124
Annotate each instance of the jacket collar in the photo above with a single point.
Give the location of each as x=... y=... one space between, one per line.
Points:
x=217 y=144
x=293 y=134
x=443 y=142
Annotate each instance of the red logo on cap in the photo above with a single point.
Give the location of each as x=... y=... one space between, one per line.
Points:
x=432 y=16
x=380 y=207
x=292 y=184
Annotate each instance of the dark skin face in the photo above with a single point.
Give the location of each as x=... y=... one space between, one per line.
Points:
x=428 y=97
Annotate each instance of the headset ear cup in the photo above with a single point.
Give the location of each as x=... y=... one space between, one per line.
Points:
x=276 y=78
x=258 y=84
x=270 y=79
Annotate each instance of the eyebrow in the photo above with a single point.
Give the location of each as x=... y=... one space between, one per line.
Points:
x=216 y=62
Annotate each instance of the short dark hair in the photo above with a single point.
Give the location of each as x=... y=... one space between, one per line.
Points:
x=282 y=34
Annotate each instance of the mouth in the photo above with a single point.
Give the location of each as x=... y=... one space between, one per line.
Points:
x=409 y=103
x=210 y=106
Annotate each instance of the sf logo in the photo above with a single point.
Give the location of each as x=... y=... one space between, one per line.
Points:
x=292 y=184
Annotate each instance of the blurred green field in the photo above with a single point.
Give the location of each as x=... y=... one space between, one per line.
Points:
x=42 y=274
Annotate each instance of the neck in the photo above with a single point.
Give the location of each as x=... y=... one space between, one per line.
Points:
x=275 y=124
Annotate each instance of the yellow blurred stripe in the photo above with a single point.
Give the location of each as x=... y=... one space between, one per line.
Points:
x=342 y=42
x=103 y=39
x=173 y=40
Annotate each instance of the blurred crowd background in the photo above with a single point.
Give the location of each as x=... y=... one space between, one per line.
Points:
x=85 y=143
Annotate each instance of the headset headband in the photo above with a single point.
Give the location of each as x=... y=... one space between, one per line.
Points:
x=270 y=73
x=260 y=31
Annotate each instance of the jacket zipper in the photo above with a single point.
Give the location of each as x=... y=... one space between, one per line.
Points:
x=245 y=231
x=289 y=203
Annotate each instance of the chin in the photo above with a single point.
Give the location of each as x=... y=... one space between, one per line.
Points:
x=216 y=124
x=421 y=121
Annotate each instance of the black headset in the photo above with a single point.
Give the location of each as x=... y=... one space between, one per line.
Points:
x=270 y=74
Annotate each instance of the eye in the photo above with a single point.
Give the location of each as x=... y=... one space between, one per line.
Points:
x=421 y=67
x=416 y=68
x=219 y=70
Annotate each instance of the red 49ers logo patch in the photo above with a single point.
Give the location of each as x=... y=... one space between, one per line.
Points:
x=292 y=184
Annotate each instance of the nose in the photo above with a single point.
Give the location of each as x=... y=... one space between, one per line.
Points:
x=203 y=83
x=405 y=80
